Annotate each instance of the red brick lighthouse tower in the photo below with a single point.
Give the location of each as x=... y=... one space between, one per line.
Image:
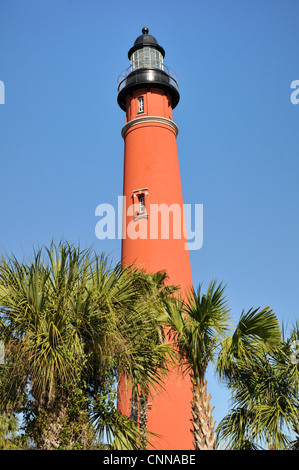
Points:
x=154 y=237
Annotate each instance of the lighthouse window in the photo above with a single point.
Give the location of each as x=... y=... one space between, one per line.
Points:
x=139 y=208
x=140 y=105
x=141 y=204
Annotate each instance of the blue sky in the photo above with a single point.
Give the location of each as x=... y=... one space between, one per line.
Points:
x=62 y=152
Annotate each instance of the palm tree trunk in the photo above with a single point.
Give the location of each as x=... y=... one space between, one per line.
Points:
x=203 y=424
x=138 y=414
x=134 y=406
x=143 y=409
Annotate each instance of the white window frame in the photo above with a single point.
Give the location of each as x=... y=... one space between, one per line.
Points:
x=138 y=197
x=140 y=105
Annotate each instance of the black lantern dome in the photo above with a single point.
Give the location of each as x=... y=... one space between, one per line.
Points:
x=147 y=70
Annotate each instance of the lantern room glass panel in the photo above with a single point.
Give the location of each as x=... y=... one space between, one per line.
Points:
x=147 y=57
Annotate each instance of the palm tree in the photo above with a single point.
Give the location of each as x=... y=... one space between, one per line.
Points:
x=75 y=319
x=138 y=355
x=39 y=302
x=198 y=324
x=256 y=365
x=149 y=356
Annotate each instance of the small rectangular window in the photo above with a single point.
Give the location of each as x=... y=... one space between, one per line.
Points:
x=140 y=105
x=141 y=204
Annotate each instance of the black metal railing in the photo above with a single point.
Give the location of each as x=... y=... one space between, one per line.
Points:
x=161 y=74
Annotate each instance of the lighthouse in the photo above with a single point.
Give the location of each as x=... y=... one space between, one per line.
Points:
x=154 y=235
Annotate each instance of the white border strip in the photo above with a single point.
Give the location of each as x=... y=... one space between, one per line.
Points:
x=145 y=119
